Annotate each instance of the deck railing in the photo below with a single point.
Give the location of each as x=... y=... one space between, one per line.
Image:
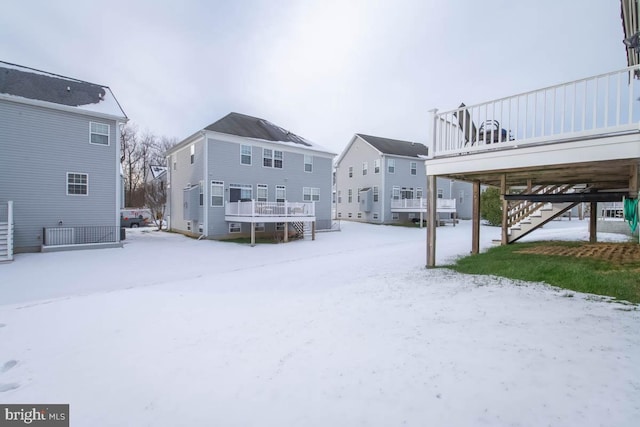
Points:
x=64 y=236
x=595 y=106
x=444 y=205
x=6 y=231
x=263 y=209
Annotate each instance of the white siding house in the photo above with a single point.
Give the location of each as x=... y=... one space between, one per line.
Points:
x=244 y=176
x=59 y=162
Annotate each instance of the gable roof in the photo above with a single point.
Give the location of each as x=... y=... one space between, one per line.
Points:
x=157 y=171
x=395 y=146
x=23 y=83
x=254 y=127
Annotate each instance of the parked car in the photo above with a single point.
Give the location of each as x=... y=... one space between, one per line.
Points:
x=132 y=218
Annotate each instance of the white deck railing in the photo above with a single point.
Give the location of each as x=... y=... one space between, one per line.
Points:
x=6 y=231
x=595 y=106
x=270 y=209
x=443 y=205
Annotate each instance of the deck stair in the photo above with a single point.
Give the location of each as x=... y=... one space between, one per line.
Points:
x=303 y=229
x=526 y=216
x=6 y=231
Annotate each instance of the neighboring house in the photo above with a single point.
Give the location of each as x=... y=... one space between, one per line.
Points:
x=382 y=180
x=244 y=176
x=59 y=161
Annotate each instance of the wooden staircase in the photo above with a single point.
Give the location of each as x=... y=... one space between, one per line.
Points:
x=526 y=216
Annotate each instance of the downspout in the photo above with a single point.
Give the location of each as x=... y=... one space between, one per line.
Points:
x=205 y=201
x=119 y=204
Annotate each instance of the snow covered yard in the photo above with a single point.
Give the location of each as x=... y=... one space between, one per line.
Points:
x=347 y=330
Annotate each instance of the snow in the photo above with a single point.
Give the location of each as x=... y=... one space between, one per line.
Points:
x=346 y=330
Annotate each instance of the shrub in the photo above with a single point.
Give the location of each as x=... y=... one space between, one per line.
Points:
x=491 y=206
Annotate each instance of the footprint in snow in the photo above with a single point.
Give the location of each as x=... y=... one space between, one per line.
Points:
x=7 y=387
x=2 y=325
x=8 y=365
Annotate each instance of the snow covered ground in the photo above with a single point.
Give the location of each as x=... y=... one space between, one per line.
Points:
x=347 y=330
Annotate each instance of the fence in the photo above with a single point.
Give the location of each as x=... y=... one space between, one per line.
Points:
x=59 y=236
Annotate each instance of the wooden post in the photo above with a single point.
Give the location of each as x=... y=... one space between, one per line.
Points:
x=505 y=210
x=593 y=222
x=253 y=234
x=313 y=230
x=432 y=200
x=286 y=231
x=633 y=181
x=475 y=222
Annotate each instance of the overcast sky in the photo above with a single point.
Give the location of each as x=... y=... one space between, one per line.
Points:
x=322 y=69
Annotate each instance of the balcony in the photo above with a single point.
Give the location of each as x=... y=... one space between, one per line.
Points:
x=577 y=132
x=420 y=205
x=253 y=211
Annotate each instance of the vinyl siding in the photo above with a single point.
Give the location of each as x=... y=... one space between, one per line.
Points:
x=38 y=146
x=224 y=165
x=185 y=174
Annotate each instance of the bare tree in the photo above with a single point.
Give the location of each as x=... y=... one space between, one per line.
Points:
x=129 y=159
x=156 y=200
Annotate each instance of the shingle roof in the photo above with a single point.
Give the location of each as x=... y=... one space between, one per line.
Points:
x=254 y=127
x=395 y=146
x=24 y=82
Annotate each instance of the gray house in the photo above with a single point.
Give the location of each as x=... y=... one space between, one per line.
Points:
x=382 y=180
x=59 y=162
x=244 y=176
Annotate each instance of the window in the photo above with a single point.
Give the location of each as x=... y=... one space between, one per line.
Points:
x=281 y=193
x=245 y=154
x=263 y=192
x=391 y=166
x=350 y=171
x=339 y=214
x=395 y=216
x=259 y=226
x=77 y=184
x=310 y=194
x=267 y=158
x=414 y=168
x=193 y=153
x=201 y=193
x=418 y=193
x=411 y=215
x=461 y=197
x=365 y=167
x=440 y=193
x=188 y=225
x=240 y=192
x=375 y=215
x=358 y=195
x=235 y=227
x=279 y=226
x=395 y=193
x=175 y=164
x=376 y=194
x=407 y=193
x=99 y=133
x=350 y=196
x=339 y=196
x=308 y=163
x=349 y=215
x=376 y=166
x=359 y=214
x=272 y=158
x=217 y=193
x=277 y=159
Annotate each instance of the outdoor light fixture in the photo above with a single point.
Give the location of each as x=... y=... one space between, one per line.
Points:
x=633 y=42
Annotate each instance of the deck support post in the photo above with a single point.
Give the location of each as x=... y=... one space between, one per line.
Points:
x=633 y=181
x=593 y=222
x=286 y=231
x=505 y=210
x=313 y=230
x=253 y=234
x=475 y=222
x=432 y=200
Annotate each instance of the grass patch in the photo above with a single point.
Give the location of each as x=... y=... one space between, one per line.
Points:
x=589 y=274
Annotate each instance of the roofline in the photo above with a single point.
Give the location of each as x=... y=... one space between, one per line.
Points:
x=66 y=108
x=348 y=147
x=244 y=140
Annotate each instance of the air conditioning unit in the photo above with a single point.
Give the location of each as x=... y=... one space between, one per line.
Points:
x=60 y=236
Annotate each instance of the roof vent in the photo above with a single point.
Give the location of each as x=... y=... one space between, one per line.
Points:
x=68 y=88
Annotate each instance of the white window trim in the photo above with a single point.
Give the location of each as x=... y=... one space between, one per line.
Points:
x=365 y=168
x=217 y=184
x=259 y=226
x=389 y=163
x=284 y=190
x=91 y=132
x=243 y=154
x=67 y=183
x=308 y=194
x=235 y=225
x=376 y=166
x=192 y=154
x=413 y=167
x=310 y=162
x=266 y=189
